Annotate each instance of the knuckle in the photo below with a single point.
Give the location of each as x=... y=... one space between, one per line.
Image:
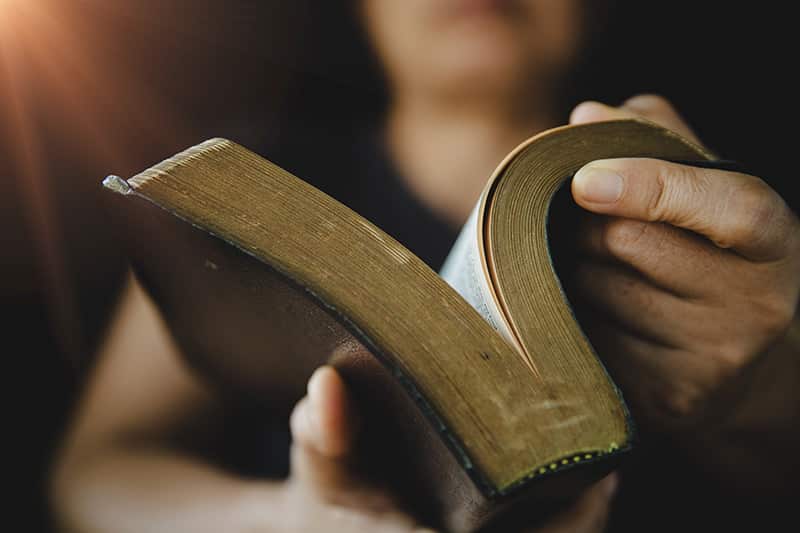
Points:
x=623 y=237
x=686 y=399
x=663 y=197
x=656 y=201
x=755 y=210
x=683 y=402
x=673 y=191
x=776 y=314
x=726 y=364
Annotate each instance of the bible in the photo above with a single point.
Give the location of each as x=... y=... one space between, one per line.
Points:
x=481 y=393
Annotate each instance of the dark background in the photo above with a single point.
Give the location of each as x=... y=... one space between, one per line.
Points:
x=91 y=87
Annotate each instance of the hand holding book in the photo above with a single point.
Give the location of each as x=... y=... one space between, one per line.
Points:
x=329 y=491
x=291 y=279
x=690 y=275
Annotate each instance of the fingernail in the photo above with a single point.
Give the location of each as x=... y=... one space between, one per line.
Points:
x=598 y=185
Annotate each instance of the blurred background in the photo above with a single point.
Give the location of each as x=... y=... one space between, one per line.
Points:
x=92 y=87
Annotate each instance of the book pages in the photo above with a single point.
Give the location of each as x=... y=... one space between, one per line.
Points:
x=464 y=271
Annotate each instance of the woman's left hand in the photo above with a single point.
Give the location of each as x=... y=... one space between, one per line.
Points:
x=690 y=274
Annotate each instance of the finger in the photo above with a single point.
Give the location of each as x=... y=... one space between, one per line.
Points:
x=589 y=514
x=661 y=384
x=642 y=309
x=651 y=107
x=733 y=210
x=323 y=426
x=659 y=110
x=325 y=420
x=591 y=111
x=671 y=258
x=630 y=301
x=640 y=367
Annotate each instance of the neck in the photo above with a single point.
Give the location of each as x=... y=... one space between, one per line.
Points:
x=446 y=149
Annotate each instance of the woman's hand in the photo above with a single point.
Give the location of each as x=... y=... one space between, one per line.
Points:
x=325 y=492
x=691 y=275
x=133 y=460
x=139 y=455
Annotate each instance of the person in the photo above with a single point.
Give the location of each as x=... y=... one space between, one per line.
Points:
x=690 y=276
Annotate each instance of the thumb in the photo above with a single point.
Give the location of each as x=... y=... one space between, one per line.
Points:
x=732 y=210
x=324 y=426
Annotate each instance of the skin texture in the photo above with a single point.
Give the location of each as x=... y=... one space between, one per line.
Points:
x=139 y=456
x=689 y=284
x=689 y=279
x=128 y=465
x=141 y=452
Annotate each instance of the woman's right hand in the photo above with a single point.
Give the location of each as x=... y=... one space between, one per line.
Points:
x=325 y=492
x=138 y=456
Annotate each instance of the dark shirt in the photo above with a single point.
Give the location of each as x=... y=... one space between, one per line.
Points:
x=357 y=171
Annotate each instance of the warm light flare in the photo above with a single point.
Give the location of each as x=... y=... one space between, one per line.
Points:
x=60 y=58
x=8 y=6
x=61 y=78
x=15 y=15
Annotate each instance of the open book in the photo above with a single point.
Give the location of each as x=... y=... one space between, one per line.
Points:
x=479 y=386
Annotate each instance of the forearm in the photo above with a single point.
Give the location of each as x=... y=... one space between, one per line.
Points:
x=135 y=488
x=138 y=454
